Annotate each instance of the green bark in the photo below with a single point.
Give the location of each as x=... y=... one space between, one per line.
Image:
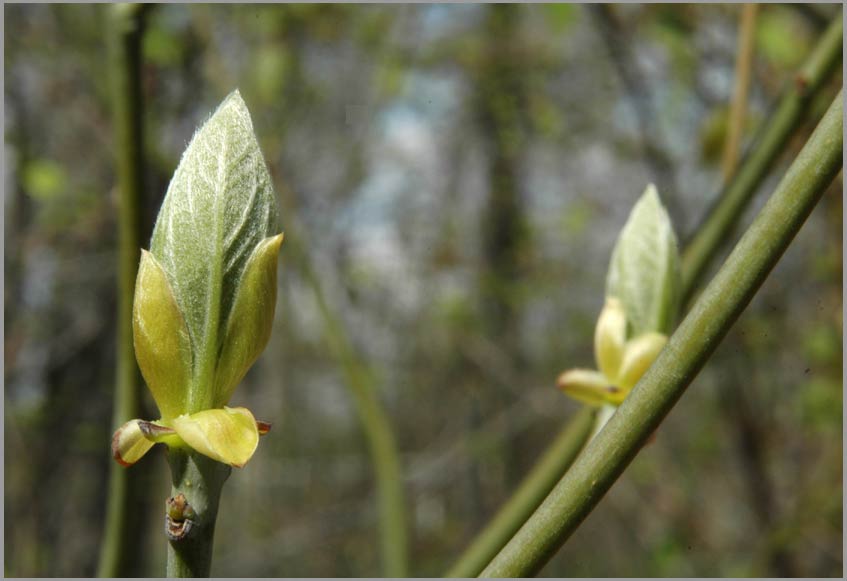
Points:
x=126 y=24
x=201 y=480
x=719 y=306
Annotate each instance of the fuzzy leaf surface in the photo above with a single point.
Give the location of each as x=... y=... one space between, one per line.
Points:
x=644 y=272
x=219 y=206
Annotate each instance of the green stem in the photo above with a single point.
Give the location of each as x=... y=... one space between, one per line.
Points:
x=709 y=236
x=698 y=253
x=375 y=423
x=201 y=480
x=688 y=349
x=126 y=23
x=379 y=434
x=547 y=471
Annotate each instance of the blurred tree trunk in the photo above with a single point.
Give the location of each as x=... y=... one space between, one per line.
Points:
x=499 y=102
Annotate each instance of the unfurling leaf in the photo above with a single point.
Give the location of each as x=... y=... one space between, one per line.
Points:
x=638 y=357
x=129 y=443
x=644 y=271
x=228 y=435
x=588 y=386
x=610 y=337
x=162 y=342
x=251 y=319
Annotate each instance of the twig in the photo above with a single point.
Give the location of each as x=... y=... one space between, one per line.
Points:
x=738 y=106
x=816 y=64
x=763 y=152
x=688 y=349
x=375 y=423
x=126 y=25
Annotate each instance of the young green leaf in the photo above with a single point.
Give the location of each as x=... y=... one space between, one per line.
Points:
x=644 y=272
x=129 y=443
x=219 y=206
x=249 y=326
x=162 y=342
x=228 y=435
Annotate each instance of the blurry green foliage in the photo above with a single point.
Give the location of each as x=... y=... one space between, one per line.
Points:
x=44 y=179
x=390 y=78
x=61 y=201
x=827 y=264
x=781 y=37
x=457 y=312
x=672 y=29
x=668 y=554
x=821 y=403
x=561 y=16
x=713 y=132
x=270 y=69
x=373 y=29
x=822 y=344
x=576 y=217
x=546 y=117
x=162 y=46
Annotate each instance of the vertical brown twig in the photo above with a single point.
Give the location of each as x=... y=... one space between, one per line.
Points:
x=738 y=106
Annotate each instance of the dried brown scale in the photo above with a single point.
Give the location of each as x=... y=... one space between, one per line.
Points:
x=179 y=517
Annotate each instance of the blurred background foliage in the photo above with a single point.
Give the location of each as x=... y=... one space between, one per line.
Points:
x=461 y=173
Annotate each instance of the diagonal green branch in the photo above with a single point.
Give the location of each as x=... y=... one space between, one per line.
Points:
x=771 y=141
x=702 y=248
x=721 y=303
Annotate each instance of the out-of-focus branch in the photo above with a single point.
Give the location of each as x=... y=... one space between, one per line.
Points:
x=362 y=385
x=126 y=26
x=714 y=231
x=738 y=106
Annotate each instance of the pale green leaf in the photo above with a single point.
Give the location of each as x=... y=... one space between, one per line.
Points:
x=644 y=271
x=609 y=337
x=129 y=443
x=228 y=435
x=249 y=327
x=589 y=386
x=638 y=357
x=162 y=342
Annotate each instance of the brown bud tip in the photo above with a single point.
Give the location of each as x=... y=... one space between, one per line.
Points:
x=151 y=430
